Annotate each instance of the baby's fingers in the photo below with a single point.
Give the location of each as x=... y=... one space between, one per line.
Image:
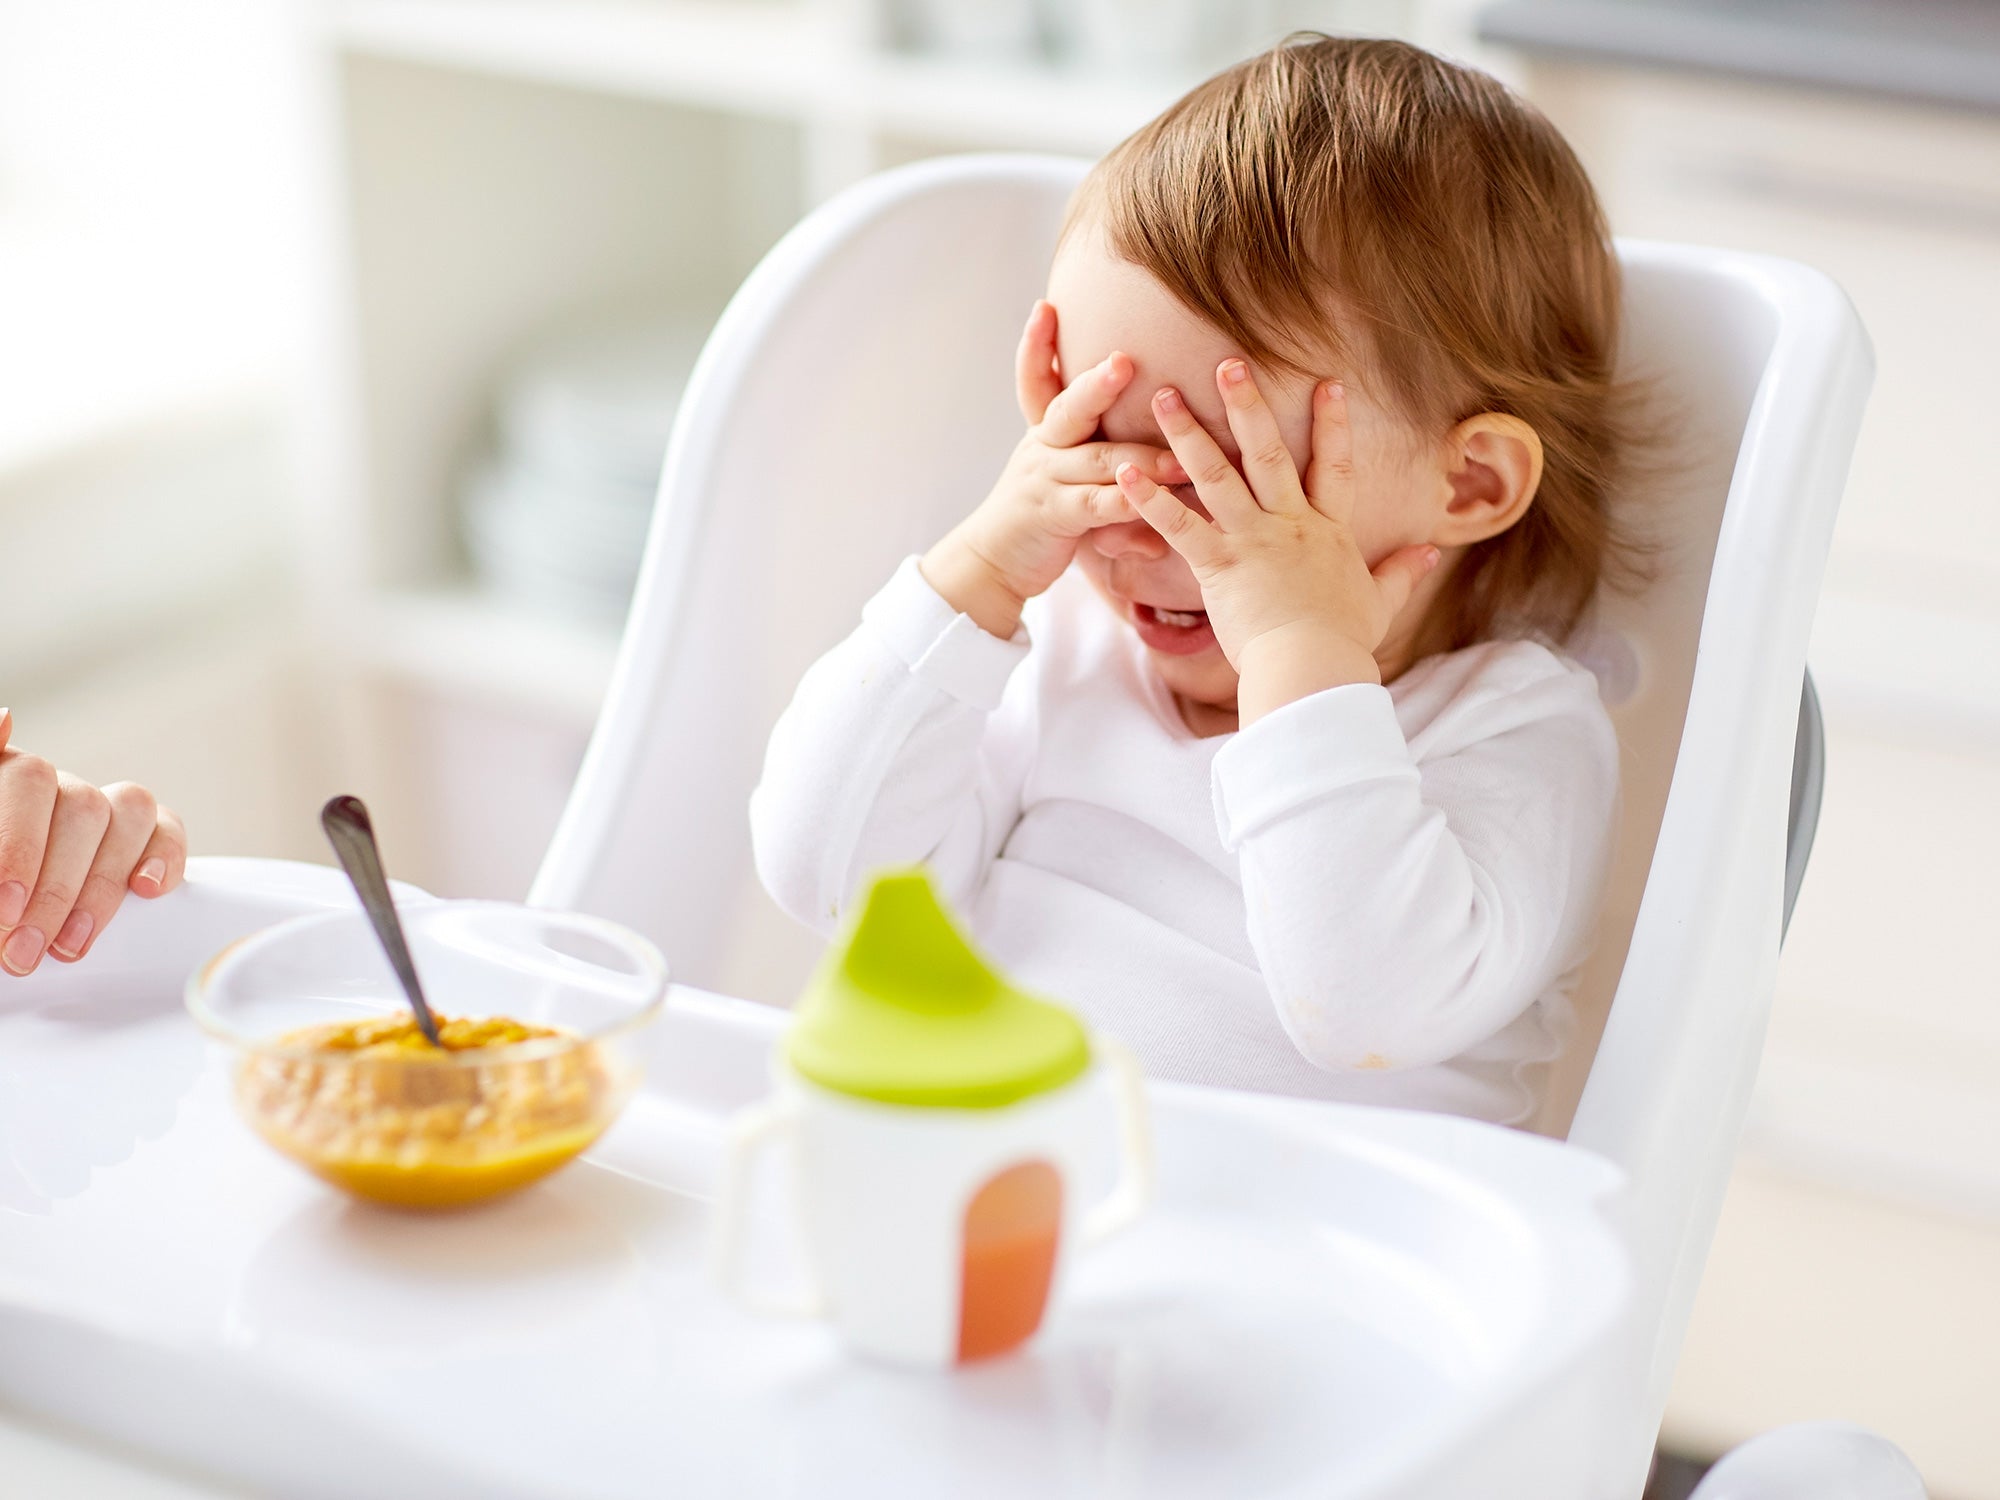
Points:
x=1077 y=508
x=1267 y=462
x=1216 y=481
x=1036 y=382
x=1073 y=416
x=1098 y=463
x=1183 y=530
x=1398 y=574
x=1330 y=474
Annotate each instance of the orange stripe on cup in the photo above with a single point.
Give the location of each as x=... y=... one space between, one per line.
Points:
x=1012 y=1227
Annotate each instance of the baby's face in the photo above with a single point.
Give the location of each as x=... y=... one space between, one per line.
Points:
x=1103 y=303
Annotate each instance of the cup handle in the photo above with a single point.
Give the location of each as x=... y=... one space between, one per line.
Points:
x=1134 y=1188
x=750 y=1132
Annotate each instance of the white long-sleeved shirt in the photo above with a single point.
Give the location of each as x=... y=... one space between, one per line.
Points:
x=1374 y=894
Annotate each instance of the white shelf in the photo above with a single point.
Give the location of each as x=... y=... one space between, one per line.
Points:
x=961 y=103
x=787 y=60
x=467 y=643
x=758 y=58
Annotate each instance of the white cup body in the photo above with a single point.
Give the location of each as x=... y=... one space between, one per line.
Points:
x=935 y=1236
x=884 y=1191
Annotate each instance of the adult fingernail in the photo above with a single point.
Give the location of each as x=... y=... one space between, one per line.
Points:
x=153 y=872
x=13 y=901
x=75 y=933
x=23 y=950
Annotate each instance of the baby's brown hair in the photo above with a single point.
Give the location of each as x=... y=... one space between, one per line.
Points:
x=1338 y=183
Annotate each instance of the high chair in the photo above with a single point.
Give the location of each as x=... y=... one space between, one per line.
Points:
x=855 y=400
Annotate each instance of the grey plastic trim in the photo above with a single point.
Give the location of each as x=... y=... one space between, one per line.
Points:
x=1808 y=785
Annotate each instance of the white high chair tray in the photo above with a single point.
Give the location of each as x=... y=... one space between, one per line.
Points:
x=1325 y=1300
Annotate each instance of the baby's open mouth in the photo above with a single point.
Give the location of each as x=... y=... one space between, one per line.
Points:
x=1178 y=632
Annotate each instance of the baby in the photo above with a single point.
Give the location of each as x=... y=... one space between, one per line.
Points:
x=1258 y=747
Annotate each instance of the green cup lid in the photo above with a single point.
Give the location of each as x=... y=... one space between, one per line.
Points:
x=902 y=1010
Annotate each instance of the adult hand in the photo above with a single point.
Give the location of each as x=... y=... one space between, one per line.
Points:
x=69 y=851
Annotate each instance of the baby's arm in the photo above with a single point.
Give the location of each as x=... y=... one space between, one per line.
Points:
x=892 y=750
x=895 y=749
x=1407 y=902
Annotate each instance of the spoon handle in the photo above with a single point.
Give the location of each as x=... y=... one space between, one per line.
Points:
x=352 y=835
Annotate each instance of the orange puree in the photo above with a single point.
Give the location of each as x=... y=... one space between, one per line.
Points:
x=380 y=1112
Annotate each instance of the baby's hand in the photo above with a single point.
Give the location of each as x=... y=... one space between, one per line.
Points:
x=1284 y=581
x=1057 y=486
x=68 y=853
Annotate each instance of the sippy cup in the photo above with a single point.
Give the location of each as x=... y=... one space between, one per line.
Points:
x=938 y=1119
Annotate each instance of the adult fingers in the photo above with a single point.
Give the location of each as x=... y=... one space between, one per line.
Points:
x=1398 y=574
x=1098 y=463
x=163 y=862
x=1183 y=530
x=1330 y=475
x=1074 y=414
x=1267 y=462
x=1036 y=383
x=6 y=726
x=133 y=819
x=28 y=787
x=1215 y=478
x=82 y=813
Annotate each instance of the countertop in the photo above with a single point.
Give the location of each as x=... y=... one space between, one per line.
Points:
x=1944 y=52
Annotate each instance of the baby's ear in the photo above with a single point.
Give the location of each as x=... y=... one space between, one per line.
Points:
x=1494 y=466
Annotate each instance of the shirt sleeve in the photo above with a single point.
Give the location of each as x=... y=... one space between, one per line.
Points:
x=894 y=750
x=1405 y=907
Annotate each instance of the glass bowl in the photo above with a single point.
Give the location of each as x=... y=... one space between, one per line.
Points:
x=537 y=1010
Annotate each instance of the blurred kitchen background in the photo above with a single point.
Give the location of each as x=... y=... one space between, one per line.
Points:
x=339 y=342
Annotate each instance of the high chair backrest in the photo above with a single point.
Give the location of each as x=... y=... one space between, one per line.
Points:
x=856 y=399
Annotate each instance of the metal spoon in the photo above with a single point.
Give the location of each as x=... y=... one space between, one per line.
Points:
x=353 y=838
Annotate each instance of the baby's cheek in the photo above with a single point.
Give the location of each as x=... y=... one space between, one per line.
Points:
x=1389 y=513
x=1378 y=531
x=1092 y=563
